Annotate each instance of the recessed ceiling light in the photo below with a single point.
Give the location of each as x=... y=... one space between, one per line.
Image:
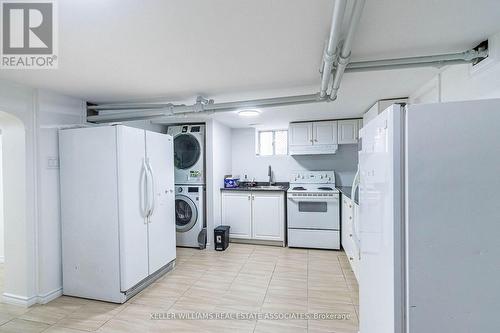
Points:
x=249 y=113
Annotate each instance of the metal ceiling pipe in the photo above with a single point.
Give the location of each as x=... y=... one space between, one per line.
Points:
x=414 y=62
x=106 y=113
x=345 y=52
x=331 y=47
x=127 y=106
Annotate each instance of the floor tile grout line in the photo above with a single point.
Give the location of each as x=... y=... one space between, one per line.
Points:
x=307 y=288
x=350 y=291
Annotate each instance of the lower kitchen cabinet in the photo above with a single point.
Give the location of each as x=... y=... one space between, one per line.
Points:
x=254 y=215
x=268 y=214
x=237 y=213
x=349 y=221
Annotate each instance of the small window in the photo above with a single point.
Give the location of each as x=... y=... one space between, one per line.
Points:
x=272 y=143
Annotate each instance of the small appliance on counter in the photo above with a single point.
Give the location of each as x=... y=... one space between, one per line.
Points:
x=221 y=237
x=231 y=181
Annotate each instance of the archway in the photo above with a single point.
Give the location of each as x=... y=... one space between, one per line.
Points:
x=18 y=240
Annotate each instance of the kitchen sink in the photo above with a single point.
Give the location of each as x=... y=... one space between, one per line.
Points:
x=268 y=187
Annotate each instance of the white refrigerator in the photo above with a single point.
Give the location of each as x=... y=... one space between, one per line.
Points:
x=430 y=219
x=117 y=210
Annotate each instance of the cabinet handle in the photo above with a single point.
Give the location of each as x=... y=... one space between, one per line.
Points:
x=350 y=217
x=253 y=197
x=315 y=140
x=248 y=197
x=350 y=235
x=351 y=258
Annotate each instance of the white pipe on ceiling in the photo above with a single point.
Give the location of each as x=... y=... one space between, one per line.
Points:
x=331 y=46
x=168 y=109
x=422 y=61
x=345 y=52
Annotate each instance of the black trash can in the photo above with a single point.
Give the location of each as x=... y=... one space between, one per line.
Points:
x=221 y=237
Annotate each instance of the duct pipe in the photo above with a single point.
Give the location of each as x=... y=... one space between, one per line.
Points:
x=345 y=52
x=422 y=61
x=164 y=110
x=331 y=47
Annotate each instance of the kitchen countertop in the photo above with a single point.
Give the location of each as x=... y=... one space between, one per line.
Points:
x=346 y=190
x=284 y=187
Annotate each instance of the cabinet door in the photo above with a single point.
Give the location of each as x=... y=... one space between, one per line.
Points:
x=325 y=133
x=300 y=134
x=348 y=131
x=268 y=215
x=237 y=213
x=346 y=229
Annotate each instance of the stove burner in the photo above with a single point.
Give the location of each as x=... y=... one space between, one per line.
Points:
x=299 y=188
x=325 y=188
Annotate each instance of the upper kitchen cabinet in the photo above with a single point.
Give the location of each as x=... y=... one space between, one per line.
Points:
x=310 y=138
x=348 y=131
x=325 y=133
x=300 y=134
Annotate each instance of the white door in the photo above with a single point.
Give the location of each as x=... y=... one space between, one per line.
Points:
x=268 y=215
x=300 y=134
x=131 y=193
x=348 y=131
x=160 y=152
x=237 y=213
x=325 y=133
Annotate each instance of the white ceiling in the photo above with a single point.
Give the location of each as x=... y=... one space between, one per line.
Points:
x=117 y=50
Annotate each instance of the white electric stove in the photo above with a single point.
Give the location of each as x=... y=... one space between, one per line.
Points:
x=313 y=210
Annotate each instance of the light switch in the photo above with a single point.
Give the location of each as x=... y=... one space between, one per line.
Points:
x=52 y=162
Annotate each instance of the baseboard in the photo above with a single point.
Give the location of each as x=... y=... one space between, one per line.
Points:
x=257 y=242
x=19 y=300
x=29 y=301
x=50 y=296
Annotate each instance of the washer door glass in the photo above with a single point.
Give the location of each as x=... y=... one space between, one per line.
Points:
x=186 y=213
x=187 y=151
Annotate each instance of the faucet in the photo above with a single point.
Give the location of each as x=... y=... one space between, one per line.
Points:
x=270 y=174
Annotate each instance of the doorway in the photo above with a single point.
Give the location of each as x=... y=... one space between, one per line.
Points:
x=16 y=237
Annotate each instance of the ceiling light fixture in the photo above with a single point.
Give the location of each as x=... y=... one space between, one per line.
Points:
x=249 y=113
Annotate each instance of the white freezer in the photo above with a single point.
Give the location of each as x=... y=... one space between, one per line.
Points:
x=118 y=220
x=429 y=219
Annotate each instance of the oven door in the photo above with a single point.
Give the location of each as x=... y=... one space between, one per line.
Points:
x=307 y=212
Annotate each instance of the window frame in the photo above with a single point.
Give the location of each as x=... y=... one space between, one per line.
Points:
x=273 y=131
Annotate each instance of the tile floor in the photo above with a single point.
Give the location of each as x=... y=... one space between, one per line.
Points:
x=244 y=278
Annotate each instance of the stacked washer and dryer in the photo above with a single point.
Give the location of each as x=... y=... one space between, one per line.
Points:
x=189 y=162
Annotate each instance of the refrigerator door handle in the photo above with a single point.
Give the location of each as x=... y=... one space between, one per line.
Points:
x=151 y=191
x=144 y=192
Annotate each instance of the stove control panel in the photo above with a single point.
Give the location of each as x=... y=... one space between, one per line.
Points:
x=313 y=177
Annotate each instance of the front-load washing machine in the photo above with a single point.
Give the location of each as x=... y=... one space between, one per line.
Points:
x=189 y=153
x=189 y=214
